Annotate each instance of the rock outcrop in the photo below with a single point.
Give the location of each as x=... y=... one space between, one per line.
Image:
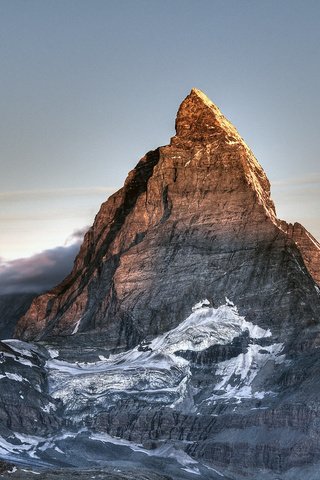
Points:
x=12 y=307
x=186 y=338
x=194 y=219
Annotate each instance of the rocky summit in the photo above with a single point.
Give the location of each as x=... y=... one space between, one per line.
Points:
x=185 y=340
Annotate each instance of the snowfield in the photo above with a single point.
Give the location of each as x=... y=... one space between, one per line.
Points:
x=155 y=372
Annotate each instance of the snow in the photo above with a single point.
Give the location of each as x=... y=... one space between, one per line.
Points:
x=201 y=304
x=214 y=470
x=30 y=471
x=158 y=370
x=53 y=352
x=76 y=327
x=24 y=361
x=206 y=327
x=237 y=374
x=165 y=451
x=49 y=407
x=19 y=346
x=15 y=376
x=27 y=444
x=156 y=373
x=14 y=469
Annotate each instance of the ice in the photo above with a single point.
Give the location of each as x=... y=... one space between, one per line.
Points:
x=15 y=376
x=19 y=346
x=24 y=361
x=244 y=368
x=201 y=304
x=206 y=327
x=155 y=367
x=57 y=449
x=27 y=444
x=106 y=438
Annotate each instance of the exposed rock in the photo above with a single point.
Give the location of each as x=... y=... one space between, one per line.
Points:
x=5 y=467
x=194 y=219
x=194 y=314
x=12 y=307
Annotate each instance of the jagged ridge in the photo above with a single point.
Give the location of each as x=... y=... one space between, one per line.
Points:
x=194 y=219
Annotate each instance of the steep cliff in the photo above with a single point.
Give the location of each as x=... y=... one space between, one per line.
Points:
x=194 y=219
x=186 y=338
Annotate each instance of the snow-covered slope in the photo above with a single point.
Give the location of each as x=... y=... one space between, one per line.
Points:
x=157 y=373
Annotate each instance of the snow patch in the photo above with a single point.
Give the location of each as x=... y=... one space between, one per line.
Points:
x=76 y=327
x=238 y=373
x=151 y=369
x=14 y=469
x=53 y=352
x=201 y=304
x=30 y=471
x=15 y=376
x=102 y=358
x=19 y=346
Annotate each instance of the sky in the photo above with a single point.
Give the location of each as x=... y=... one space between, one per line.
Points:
x=89 y=86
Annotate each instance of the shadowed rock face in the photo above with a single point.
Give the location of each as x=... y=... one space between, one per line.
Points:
x=161 y=364
x=194 y=219
x=12 y=307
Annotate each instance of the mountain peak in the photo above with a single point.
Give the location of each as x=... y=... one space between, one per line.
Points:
x=199 y=118
x=203 y=97
x=194 y=219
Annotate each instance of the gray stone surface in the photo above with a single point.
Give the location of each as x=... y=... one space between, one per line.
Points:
x=141 y=374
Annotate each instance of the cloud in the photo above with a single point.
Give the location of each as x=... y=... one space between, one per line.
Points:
x=76 y=236
x=54 y=192
x=41 y=271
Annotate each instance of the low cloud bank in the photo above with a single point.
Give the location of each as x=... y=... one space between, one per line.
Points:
x=41 y=271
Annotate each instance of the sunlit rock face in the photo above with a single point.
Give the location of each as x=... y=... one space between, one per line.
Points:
x=194 y=218
x=185 y=340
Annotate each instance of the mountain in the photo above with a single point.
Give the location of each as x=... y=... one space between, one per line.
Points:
x=193 y=220
x=185 y=340
x=12 y=307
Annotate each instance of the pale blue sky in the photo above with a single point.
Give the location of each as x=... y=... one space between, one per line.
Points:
x=87 y=87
